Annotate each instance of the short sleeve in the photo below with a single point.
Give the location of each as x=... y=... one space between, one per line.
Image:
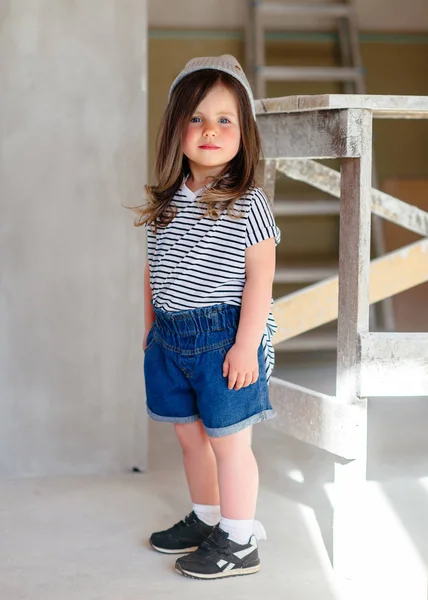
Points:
x=260 y=220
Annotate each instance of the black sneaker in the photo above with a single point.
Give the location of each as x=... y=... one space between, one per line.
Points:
x=219 y=557
x=185 y=536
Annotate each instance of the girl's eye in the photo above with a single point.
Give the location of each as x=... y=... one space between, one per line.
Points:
x=195 y=120
x=224 y=120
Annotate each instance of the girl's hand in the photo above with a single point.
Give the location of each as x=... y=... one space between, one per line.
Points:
x=241 y=366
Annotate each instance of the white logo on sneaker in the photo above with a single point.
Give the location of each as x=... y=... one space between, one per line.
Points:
x=243 y=553
x=222 y=562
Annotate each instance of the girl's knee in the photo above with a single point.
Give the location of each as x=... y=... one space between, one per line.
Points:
x=191 y=435
x=236 y=442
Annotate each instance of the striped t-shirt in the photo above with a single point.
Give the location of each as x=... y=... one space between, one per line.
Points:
x=198 y=261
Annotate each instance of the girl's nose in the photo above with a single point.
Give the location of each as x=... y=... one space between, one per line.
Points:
x=209 y=130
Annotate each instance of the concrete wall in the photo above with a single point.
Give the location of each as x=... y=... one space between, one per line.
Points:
x=73 y=148
x=373 y=15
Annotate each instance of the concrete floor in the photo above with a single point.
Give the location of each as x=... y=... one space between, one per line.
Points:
x=85 y=538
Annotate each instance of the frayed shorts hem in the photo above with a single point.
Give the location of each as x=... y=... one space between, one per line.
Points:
x=156 y=417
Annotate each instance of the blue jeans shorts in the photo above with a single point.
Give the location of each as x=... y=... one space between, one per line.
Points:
x=183 y=367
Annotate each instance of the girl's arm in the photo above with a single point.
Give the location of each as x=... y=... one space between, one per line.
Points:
x=241 y=364
x=149 y=315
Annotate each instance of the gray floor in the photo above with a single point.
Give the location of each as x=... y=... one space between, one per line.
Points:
x=85 y=538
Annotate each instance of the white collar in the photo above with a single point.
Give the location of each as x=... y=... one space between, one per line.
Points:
x=188 y=192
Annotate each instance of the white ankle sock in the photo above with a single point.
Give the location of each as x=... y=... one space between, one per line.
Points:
x=209 y=514
x=259 y=531
x=240 y=530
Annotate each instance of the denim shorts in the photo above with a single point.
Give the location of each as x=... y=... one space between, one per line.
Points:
x=183 y=367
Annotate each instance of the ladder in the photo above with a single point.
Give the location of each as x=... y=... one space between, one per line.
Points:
x=349 y=73
x=260 y=17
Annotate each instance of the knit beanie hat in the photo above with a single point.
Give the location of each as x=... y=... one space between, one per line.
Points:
x=226 y=63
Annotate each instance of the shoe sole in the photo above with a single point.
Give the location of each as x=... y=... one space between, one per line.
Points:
x=166 y=551
x=222 y=575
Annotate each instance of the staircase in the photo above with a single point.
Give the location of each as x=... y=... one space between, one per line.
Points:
x=294 y=131
x=309 y=221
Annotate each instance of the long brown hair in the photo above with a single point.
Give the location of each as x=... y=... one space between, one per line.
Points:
x=172 y=165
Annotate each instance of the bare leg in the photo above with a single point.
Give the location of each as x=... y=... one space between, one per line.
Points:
x=199 y=463
x=238 y=475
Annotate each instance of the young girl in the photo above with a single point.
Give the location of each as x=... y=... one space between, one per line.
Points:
x=208 y=289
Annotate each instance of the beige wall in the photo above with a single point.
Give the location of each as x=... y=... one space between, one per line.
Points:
x=373 y=15
x=411 y=306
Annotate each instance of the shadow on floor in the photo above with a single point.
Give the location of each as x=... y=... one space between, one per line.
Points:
x=397 y=455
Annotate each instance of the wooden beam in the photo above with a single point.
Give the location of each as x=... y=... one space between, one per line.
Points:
x=353 y=321
x=394 y=364
x=391 y=107
x=317 y=304
x=267 y=176
x=314 y=418
x=312 y=134
x=328 y=180
x=307 y=9
x=354 y=263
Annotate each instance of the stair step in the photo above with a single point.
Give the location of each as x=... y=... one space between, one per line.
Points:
x=308 y=342
x=309 y=9
x=304 y=273
x=309 y=73
x=288 y=208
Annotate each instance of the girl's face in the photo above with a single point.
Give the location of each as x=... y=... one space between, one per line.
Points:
x=213 y=136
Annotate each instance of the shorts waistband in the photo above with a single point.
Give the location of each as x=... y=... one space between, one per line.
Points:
x=198 y=320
